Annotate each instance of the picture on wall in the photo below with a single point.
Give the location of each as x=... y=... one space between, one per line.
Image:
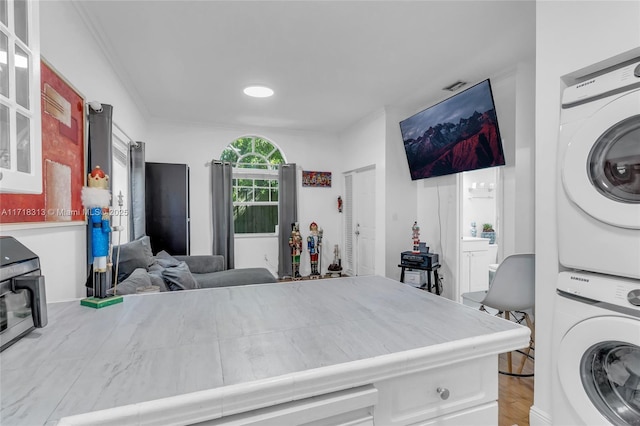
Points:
x=63 y=164
x=321 y=179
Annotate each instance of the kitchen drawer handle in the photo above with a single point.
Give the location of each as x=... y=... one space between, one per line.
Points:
x=444 y=393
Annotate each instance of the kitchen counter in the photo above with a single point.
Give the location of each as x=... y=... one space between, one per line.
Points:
x=224 y=353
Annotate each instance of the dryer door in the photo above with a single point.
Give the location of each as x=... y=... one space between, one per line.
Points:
x=601 y=166
x=599 y=370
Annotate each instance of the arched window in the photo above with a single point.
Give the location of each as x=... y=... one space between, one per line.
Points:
x=255 y=162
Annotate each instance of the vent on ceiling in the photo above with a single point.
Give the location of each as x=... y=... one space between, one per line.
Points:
x=455 y=86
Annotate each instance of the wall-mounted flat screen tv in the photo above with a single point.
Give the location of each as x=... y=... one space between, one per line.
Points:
x=456 y=135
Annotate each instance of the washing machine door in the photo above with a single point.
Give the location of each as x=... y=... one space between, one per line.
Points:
x=601 y=166
x=599 y=370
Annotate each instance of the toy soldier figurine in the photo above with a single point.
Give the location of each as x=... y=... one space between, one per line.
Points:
x=295 y=242
x=416 y=237
x=314 y=245
x=96 y=199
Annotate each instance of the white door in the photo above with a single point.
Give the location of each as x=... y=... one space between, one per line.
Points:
x=360 y=222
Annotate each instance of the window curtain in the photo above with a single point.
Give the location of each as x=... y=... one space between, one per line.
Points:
x=137 y=213
x=287 y=215
x=222 y=211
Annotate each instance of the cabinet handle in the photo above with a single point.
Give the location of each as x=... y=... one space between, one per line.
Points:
x=444 y=393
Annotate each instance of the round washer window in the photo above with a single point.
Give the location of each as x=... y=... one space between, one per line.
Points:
x=610 y=373
x=614 y=161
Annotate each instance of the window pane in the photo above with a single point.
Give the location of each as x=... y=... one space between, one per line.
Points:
x=245 y=195
x=262 y=183
x=22 y=77
x=24 y=143
x=262 y=194
x=245 y=182
x=276 y=158
x=4 y=66
x=229 y=155
x=253 y=161
x=243 y=145
x=255 y=219
x=5 y=148
x=274 y=195
x=263 y=147
x=21 y=23
x=4 y=12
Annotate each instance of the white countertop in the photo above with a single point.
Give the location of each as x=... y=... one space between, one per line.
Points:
x=211 y=352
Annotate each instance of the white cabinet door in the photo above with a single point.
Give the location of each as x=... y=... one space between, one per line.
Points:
x=465 y=278
x=479 y=271
x=474 y=269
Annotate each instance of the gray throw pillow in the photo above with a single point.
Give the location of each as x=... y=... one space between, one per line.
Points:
x=139 y=278
x=165 y=260
x=155 y=273
x=179 y=277
x=146 y=243
x=133 y=255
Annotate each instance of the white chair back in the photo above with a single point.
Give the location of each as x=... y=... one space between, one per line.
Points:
x=513 y=285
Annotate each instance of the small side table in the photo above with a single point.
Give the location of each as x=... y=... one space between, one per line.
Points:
x=433 y=269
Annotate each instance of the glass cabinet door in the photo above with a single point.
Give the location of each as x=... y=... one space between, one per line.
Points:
x=20 y=132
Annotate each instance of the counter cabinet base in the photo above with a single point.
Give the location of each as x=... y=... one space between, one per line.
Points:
x=461 y=393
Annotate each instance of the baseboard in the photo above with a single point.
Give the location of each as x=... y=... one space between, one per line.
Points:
x=538 y=417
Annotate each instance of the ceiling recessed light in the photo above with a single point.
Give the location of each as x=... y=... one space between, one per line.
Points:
x=258 y=91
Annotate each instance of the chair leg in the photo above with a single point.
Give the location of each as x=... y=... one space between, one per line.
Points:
x=531 y=342
x=509 y=366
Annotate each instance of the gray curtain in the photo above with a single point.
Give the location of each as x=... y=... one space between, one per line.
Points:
x=287 y=214
x=137 y=223
x=222 y=211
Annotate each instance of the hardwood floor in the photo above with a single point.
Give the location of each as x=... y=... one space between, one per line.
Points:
x=515 y=394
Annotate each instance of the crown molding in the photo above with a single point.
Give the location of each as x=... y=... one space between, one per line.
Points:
x=96 y=30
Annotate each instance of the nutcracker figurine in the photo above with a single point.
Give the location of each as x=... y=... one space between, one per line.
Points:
x=314 y=245
x=416 y=237
x=295 y=242
x=96 y=199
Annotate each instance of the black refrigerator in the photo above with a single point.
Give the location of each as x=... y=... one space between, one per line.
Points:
x=167 y=207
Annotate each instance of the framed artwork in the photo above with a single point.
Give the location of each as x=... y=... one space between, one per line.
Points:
x=63 y=159
x=321 y=179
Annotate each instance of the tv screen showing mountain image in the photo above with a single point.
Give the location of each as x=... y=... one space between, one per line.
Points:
x=456 y=135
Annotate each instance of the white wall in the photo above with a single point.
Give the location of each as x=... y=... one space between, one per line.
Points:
x=196 y=145
x=505 y=95
x=524 y=191
x=570 y=36
x=70 y=48
x=363 y=145
x=401 y=196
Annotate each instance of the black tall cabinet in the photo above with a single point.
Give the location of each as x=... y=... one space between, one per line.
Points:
x=167 y=207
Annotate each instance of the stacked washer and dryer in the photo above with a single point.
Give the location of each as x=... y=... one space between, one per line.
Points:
x=596 y=337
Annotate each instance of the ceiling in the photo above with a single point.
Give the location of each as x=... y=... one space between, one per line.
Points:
x=330 y=63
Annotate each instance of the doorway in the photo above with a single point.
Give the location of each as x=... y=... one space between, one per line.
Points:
x=359 y=221
x=480 y=199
